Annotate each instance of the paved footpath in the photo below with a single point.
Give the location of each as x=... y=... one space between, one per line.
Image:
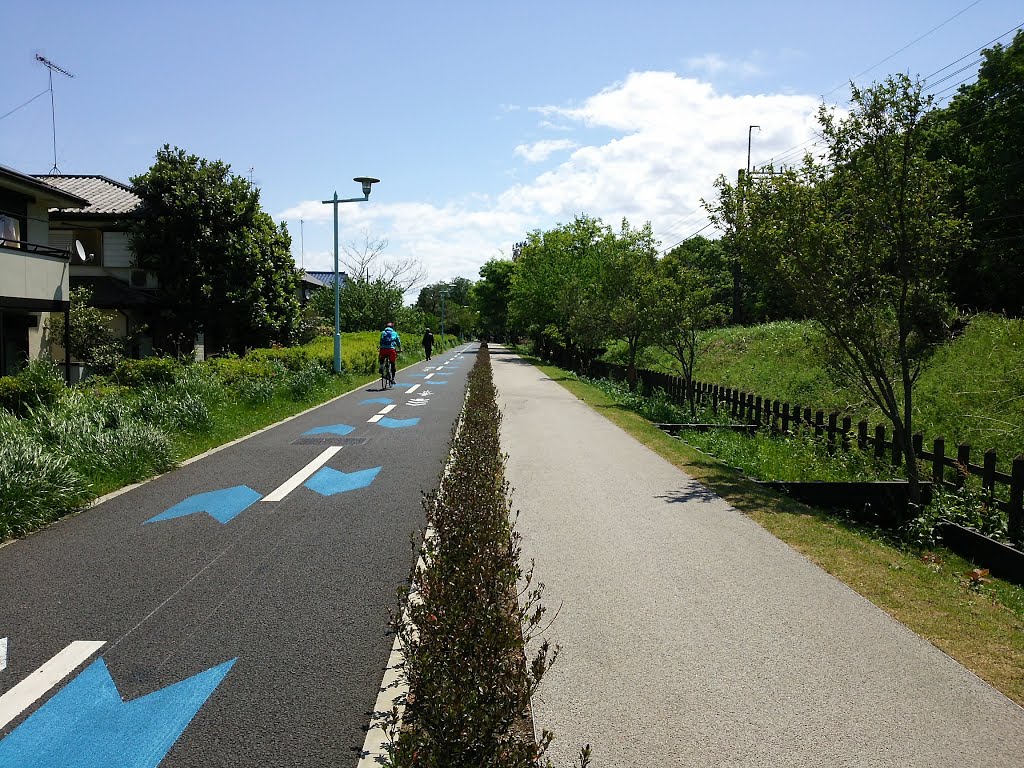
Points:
x=692 y=637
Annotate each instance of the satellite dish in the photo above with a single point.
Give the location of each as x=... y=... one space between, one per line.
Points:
x=80 y=250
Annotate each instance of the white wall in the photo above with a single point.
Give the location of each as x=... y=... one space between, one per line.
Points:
x=26 y=275
x=116 y=252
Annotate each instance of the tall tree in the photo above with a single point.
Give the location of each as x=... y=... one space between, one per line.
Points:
x=224 y=267
x=557 y=288
x=490 y=296
x=982 y=131
x=863 y=239
x=632 y=291
x=694 y=295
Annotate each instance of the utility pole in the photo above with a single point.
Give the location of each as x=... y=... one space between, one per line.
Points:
x=302 y=242
x=443 y=294
x=742 y=179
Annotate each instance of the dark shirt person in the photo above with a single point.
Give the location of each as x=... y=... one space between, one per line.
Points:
x=428 y=342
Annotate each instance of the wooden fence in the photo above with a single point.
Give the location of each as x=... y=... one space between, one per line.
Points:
x=1004 y=491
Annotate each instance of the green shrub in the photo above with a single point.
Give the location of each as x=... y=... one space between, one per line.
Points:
x=148 y=370
x=13 y=395
x=306 y=382
x=293 y=358
x=232 y=370
x=37 y=486
x=255 y=391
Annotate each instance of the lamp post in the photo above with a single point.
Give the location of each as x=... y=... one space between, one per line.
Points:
x=367 y=182
x=443 y=294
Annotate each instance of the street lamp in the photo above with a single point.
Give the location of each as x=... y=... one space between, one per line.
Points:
x=444 y=293
x=367 y=182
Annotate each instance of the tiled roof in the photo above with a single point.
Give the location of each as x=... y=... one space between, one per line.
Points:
x=106 y=197
x=34 y=185
x=327 y=278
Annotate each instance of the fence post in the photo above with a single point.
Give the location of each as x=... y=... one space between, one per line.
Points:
x=807 y=416
x=1015 y=512
x=988 y=472
x=714 y=399
x=819 y=423
x=832 y=419
x=785 y=418
x=776 y=415
x=897 y=448
x=757 y=410
x=939 y=460
x=862 y=434
x=963 y=458
x=847 y=423
x=879 y=441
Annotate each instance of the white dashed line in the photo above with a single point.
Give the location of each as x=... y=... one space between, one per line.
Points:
x=374 y=419
x=427 y=376
x=412 y=389
x=21 y=696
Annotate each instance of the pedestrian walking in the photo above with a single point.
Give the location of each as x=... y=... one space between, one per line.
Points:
x=428 y=342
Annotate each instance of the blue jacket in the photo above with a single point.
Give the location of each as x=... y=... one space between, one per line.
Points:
x=389 y=339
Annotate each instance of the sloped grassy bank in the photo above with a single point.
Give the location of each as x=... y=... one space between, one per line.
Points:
x=463 y=631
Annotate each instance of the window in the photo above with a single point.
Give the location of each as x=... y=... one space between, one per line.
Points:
x=13 y=219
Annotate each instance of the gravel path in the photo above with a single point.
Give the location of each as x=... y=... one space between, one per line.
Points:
x=692 y=637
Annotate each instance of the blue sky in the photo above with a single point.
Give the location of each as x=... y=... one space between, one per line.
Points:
x=483 y=120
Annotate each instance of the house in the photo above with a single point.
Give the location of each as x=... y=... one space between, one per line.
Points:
x=34 y=274
x=105 y=264
x=308 y=285
x=327 y=278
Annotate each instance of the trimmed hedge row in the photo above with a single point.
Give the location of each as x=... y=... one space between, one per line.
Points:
x=464 y=628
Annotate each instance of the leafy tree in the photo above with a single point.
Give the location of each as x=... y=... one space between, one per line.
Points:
x=862 y=241
x=364 y=305
x=223 y=266
x=632 y=291
x=695 y=290
x=982 y=132
x=490 y=296
x=456 y=292
x=557 y=288
x=92 y=340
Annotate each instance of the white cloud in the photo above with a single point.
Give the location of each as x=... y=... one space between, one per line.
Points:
x=671 y=137
x=715 y=64
x=542 y=150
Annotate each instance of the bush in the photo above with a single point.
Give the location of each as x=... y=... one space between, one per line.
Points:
x=39 y=385
x=469 y=683
x=233 y=370
x=148 y=370
x=293 y=358
x=37 y=486
x=306 y=382
x=255 y=391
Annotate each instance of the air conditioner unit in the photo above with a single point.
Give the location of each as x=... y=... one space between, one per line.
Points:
x=138 y=278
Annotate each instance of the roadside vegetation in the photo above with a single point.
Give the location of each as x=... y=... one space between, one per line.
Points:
x=60 y=448
x=472 y=606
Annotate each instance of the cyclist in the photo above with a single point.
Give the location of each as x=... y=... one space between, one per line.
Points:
x=390 y=346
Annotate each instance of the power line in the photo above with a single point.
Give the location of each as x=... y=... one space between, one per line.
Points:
x=8 y=114
x=908 y=45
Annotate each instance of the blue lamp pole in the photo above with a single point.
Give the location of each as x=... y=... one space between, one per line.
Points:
x=367 y=182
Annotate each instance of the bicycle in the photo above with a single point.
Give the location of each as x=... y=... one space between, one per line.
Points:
x=387 y=374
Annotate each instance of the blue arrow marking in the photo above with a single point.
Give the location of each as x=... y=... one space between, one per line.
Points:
x=415 y=375
x=398 y=423
x=330 y=482
x=384 y=400
x=223 y=505
x=88 y=725
x=331 y=429
x=442 y=373
x=432 y=382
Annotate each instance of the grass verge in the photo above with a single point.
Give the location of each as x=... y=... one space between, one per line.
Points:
x=981 y=625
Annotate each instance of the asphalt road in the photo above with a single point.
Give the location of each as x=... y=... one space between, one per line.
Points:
x=692 y=637
x=258 y=640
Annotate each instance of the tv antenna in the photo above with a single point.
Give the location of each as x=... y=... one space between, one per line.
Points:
x=53 y=114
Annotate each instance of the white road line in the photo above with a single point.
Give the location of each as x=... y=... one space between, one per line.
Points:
x=388 y=409
x=374 y=419
x=299 y=477
x=427 y=376
x=3 y=653
x=412 y=389
x=21 y=696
